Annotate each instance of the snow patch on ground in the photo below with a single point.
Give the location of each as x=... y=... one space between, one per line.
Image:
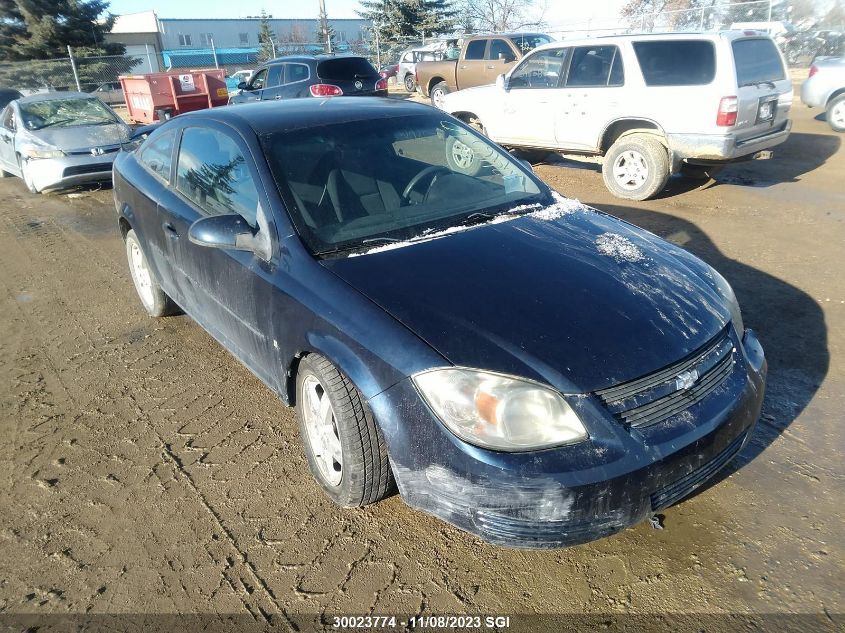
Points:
x=618 y=247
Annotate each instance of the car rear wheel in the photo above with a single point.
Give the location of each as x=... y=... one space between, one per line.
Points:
x=836 y=113
x=410 y=83
x=438 y=94
x=701 y=172
x=153 y=298
x=345 y=449
x=636 y=167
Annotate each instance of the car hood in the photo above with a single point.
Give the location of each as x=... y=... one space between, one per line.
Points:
x=582 y=302
x=83 y=137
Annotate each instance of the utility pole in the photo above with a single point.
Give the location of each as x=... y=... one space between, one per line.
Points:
x=324 y=26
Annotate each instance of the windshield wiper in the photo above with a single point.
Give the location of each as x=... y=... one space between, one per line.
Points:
x=759 y=83
x=381 y=240
x=52 y=123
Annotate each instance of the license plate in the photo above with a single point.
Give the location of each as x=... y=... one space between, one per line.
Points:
x=766 y=111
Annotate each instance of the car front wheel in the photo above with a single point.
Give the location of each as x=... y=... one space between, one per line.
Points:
x=153 y=298
x=636 y=167
x=836 y=113
x=345 y=449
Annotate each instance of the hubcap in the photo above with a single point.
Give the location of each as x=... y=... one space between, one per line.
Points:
x=141 y=274
x=320 y=424
x=837 y=114
x=630 y=170
x=438 y=98
x=462 y=154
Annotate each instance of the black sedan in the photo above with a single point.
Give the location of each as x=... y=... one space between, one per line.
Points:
x=319 y=76
x=526 y=368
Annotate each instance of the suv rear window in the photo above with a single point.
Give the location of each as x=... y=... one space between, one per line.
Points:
x=345 y=68
x=757 y=61
x=676 y=62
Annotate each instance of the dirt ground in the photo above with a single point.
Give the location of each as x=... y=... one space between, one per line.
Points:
x=145 y=471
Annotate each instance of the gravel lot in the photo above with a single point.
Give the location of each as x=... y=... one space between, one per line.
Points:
x=145 y=471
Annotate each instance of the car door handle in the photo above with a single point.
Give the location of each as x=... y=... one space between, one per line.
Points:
x=170 y=231
x=491 y=68
x=463 y=67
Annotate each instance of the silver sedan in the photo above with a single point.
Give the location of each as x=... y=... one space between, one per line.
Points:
x=825 y=88
x=59 y=139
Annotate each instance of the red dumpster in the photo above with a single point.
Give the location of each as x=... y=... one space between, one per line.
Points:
x=154 y=96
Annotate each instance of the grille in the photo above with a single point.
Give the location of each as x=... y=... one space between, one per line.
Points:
x=76 y=170
x=654 y=398
x=107 y=149
x=682 y=487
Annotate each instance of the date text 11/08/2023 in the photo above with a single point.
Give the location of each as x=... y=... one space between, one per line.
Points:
x=421 y=622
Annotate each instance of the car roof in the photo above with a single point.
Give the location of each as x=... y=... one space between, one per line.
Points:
x=50 y=96
x=636 y=37
x=277 y=116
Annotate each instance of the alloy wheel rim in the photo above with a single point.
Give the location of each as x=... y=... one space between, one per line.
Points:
x=141 y=274
x=462 y=154
x=321 y=426
x=630 y=170
x=439 y=98
x=837 y=114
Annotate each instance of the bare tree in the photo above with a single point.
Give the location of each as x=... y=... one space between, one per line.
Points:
x=500 y=15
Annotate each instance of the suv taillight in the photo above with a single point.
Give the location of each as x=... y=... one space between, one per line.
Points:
x=381 y=84
x=813 y=71
x=325 y=90
x=727 y=112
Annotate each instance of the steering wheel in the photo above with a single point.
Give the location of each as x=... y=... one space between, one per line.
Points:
x=428 y=171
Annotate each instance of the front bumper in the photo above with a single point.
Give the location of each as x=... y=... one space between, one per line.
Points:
x=573 y=494
x=726 y=147
x=66 y=171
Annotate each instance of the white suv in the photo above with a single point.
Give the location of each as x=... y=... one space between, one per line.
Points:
x=651 y=105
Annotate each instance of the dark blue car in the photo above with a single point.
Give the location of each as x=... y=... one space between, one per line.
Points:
x=531 y=370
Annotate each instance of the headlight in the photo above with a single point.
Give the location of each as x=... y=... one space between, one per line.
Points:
x=733 y=305
x=499 y=412
x=34 y=151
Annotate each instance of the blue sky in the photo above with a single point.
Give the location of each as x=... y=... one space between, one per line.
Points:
x=559 y=11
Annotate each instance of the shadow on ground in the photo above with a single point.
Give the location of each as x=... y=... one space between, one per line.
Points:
x=789 y=322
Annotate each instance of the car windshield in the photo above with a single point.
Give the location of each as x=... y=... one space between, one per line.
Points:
x=65 y=113
x=361 y=184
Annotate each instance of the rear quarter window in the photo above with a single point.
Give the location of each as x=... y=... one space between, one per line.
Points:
x=345 y=68
x=676 y=62
x=757 y=61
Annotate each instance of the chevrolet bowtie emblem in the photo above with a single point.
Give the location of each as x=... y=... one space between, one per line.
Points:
x=686 y=379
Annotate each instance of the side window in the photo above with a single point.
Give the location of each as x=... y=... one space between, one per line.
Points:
x=274 y=76
x=156 y=154
x=408 y=58
x=499 y=49
x=541 y=70
x=475 y=49
x=257 y=81
x=590 y=66
x=296 y=72
x=212 y=173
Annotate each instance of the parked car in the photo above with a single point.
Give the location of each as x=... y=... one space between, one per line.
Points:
x=825 y=88
x=58 y=139
x=110 y=92
x=530 y=370
x=7 y=95
x=406 y=73
x=482 y=58
x=388 y=71
x=236 y=78
x=312 y=76
x=651 y=105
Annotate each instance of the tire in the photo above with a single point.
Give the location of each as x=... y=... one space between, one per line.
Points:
x=701 y=172
x=27 y=178
x=461 y=158
x=153 y=298
x=334 y=419
x=636 y=167
x=438 y=93
x=836 y=113
x=410 y=82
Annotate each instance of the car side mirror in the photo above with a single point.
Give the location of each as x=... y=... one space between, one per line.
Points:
x=243 y=86
x=502 y=82
x=228 y=232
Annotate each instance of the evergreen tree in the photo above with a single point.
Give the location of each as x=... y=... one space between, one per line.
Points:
x=397 y=19
x=265 y=38
x=320 y=36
